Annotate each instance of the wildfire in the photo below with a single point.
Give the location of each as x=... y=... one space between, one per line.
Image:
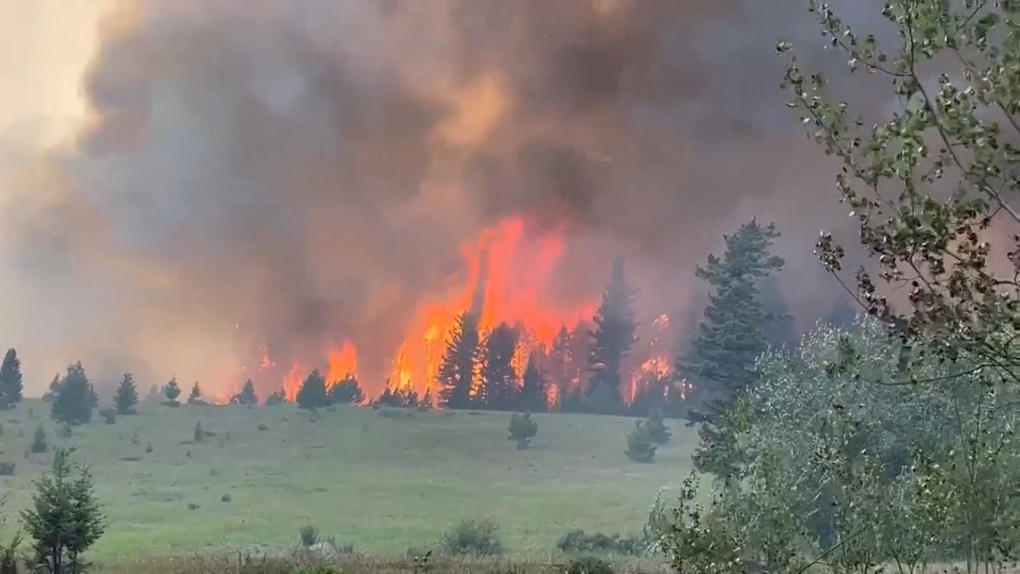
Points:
x=506 y=276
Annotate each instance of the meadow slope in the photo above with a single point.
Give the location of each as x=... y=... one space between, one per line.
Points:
x=383 y=480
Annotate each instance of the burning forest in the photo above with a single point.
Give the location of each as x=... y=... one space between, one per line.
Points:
x=502 y=291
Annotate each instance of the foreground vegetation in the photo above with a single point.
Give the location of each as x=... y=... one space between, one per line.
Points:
x=382 y=480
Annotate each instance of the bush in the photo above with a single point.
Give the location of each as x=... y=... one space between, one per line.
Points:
x=522 y=429
x=263 y=427
x=579 y=542
x=474 y=538
x=589 y=565
x=110 y=419
x=199 y=434
x=7 y=468
x=308 y=535
x=277 y=398
x=225 y=498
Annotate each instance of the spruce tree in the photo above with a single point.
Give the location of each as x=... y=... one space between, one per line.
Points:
x=731 y=337
x=195 y=397
x=73 y=402
x=347 y=391
x=64 y=519
x=560 y=360
x=247 y=396
x=656 y=425
x=172 y=391
x=11 y=386
x=457 y=370
x=498 y=384
x=126 y=397
x=426 y=400
x=611 y=340
x=532 y=394
x=640 y=447
x=313 y=394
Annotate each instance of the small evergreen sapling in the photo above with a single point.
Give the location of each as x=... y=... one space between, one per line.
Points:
x=64 y=519
x=640 y=447
x=39 y=444
x=195 y=398
x=199 y=432
x=172 y=391
x=346 y=391
x=522 y=429
x=75 y=397
x=657 y=429
x=313 y=394
x=125 y=399
x=276 y=398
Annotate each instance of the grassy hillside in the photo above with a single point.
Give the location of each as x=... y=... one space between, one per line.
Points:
x=383 y=480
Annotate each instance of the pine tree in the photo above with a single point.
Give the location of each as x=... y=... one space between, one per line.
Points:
x=347 y=391
x=64 y=519
x=557 y=366
x=73 y=402
x=312 y=394
x=54 y=388
x=498 y=385
x=656 y=425
x=640 y=447
x=457 y=370
x=247 y=396
x=611 y=340
x=126 y=397
x=721 y=364
x=532 y=394
x=172 y=391
x=426 y=400
x=195 y=398
x=11 y=386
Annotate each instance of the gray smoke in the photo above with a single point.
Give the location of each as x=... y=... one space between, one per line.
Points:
x=297 y=172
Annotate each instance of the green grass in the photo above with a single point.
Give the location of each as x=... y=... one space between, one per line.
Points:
x=382 y=480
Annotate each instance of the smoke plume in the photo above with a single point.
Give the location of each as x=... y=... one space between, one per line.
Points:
x=298 y=172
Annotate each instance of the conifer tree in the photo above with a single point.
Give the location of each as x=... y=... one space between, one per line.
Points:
x=126 y=397
x=54 y=387
x=457 y=370
x=195 y=397
x=73 y=402
x=522 y=429
x=172 y=391
x=64 y=519
x=498 y=385
x=313 y=394
x=347 y=391
x=611 y=341
x=731 y=337
x=656 y=425
x=11 y=386
x=247 y=396
x=640 y=447
x=427 y=400
x=532 y=395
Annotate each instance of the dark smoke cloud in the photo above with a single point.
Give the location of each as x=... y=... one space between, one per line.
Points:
x=297 y=172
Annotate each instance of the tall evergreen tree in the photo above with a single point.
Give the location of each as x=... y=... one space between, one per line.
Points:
x=559 y=361
x=195 y=397
x=779 y=329
x=611 y=340
x=172 y=390
x=499 y=381
x=457 y=370
x=313 y=394
x=532 y=396
x=721 y=362
x=247 y=396
x=126 y=397
x=72 y=404
x=11 y=386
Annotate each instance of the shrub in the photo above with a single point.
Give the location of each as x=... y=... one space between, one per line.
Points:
x=522 y=429
x=579 y=542
x=110 y=419
x=148 y=448
x=225 y=498
x=263 y=427
x=640 y=447
x=199 y=434
x=192 y=506
x=277 y=398
x=589 y=565
x=39 y=444
x=474 y=538
x=308 y=535
x=9 y=557
x=7 y=468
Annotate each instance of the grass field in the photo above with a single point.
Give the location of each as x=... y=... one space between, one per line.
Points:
x=382 y=480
